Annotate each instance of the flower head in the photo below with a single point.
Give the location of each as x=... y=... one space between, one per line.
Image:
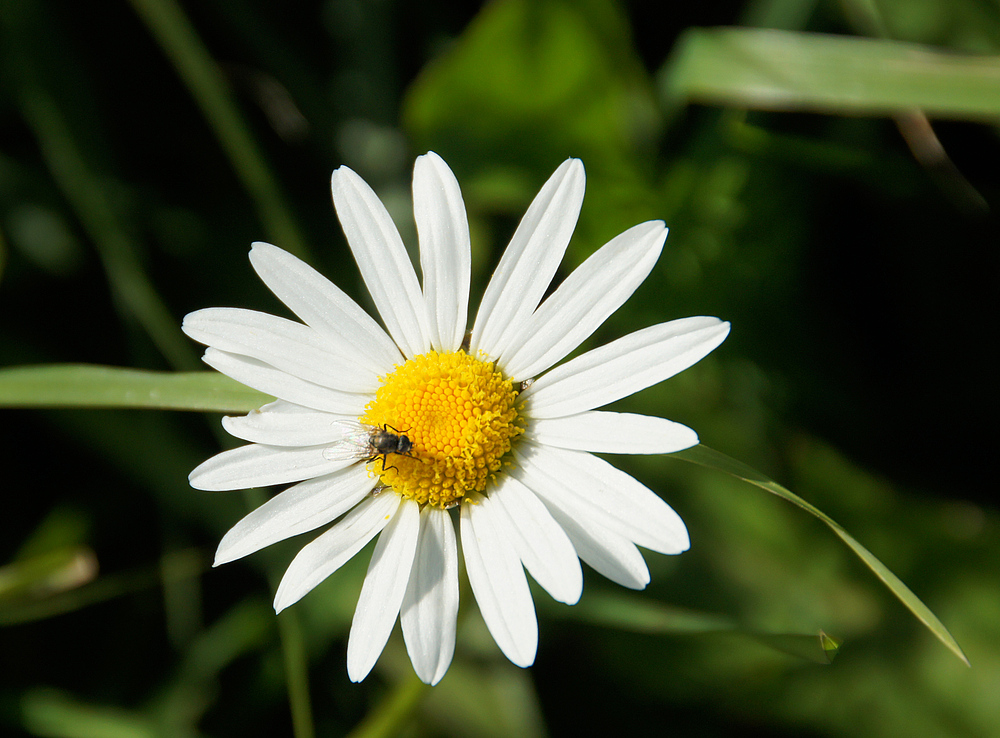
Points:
x=395 y=433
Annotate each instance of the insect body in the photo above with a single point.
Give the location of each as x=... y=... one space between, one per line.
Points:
x=360 y=441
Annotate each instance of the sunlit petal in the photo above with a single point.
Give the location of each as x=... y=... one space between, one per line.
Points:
x=530 y=261
x=429 y=612
x=382 y=593
x=319 y=559
x=324 y=306
x=304 y=507
x=622 y=367
x=383 y=261
x=613 y=433
x=445 y=250
x=584 y=300
x=541 y=544
x=498 y=582
x=257 y=465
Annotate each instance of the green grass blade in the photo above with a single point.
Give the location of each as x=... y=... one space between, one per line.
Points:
x=90 y=386
x=784 y=70
x=392 y=713
x=713 y=459
x=296 y=659
x=642 y=615
x=179 y=40
x=74 y=162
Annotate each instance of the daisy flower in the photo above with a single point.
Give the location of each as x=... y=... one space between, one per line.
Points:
x=409 y=431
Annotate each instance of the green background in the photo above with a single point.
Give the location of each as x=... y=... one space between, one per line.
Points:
x=834 y=197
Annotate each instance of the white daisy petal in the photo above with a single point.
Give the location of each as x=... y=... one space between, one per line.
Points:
x=445 y=250
x=304 y=507
x=319 y=559
x=541 y=543
x=430 y=606
x=530 y=261
x=609 y=554
x=257 y=465
x=613 y=433
x=623 y=367
x=324 y=307
x=281 y=423
x=266 y=378
x=498 y=582
x=284 y=344
x=383 y=261
x=577 y=480
x=584 y=300
x=382 y=592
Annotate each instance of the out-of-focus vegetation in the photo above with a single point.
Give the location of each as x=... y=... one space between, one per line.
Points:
x=833 y=196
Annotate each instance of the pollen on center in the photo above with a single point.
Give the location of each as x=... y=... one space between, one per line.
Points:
x=458 y=412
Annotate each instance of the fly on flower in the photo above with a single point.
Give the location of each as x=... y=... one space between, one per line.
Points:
x=361 y=441
x=507 y=430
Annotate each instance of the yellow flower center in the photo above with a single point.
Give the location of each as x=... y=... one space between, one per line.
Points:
x=458 y=412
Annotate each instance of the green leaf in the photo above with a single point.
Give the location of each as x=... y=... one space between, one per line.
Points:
x=642 y=615
x=86 y=385
x=526 y=84
x=589 y=93
x=713 y=459
x=784 y=70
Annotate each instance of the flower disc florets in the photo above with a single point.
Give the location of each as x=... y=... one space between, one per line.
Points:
x=458 y=412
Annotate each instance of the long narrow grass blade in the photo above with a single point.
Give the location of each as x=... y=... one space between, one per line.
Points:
x=641 y=615
x=293 y=648
x=396 y=708
x=784 y=70
x=172 y=29
x=90 y=386
x=713 y=459
x=60 y=131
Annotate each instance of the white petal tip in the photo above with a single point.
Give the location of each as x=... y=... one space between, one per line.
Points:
x=571 y=600
x=187 y=322
x=675 y=541
x=572 y=589
x=431 y=156
x=434 y=679
x=225 y=556
x=340 y=173
x=523 y=661
x=576 y=169
x=283 y=600
x=357 y=673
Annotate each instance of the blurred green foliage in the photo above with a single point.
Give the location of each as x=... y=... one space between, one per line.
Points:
x=852 y=242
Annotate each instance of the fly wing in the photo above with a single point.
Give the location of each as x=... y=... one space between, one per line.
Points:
x=353 y=443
